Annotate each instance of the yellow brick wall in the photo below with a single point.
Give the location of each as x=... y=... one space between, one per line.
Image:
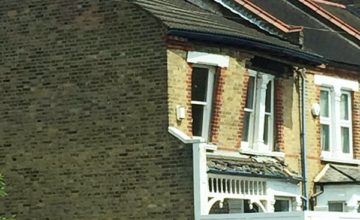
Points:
x=313 y=151
x=229 y=104
x=227 y=100
x=178 y=88
x=230 y=120
x=291 y=123
x=315 y=165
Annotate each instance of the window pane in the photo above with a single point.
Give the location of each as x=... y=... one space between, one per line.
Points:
x=325 y=137
x=344 y=107
x=250 y=93
x=268 y=97
x=266 y=129
x=246 y=132
x=282 y=206
x=335 y=206
x=199 y=84
x=324 y=103
x=197 y=119
x=345 y=139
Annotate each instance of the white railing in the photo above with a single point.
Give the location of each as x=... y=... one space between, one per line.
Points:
x=307 y=215
x=233 y=185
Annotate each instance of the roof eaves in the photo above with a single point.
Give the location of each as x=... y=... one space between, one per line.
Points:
x=234 y=173
x=338 y=183
x=304 y=56
x=331 y=18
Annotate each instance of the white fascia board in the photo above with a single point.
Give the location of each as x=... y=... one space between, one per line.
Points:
x=336 y=82
x=182 y=136
x=322 y=173
x=208 y=59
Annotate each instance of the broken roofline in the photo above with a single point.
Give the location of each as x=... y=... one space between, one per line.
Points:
x=306 y=57
x=332 y=18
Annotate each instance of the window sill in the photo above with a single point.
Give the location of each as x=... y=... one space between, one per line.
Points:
x=209 y=146
x=182 y=136
x=259 y=153
x=339 y=160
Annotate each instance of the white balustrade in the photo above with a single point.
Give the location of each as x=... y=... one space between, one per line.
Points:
x=235 y=186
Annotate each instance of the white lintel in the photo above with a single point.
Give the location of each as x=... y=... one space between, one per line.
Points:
x=208 y=59
x=336 y=82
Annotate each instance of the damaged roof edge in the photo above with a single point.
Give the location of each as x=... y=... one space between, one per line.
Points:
x=288 y=179
x=307 y=57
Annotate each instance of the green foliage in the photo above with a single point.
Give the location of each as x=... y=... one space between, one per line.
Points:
x=2 y=194
x=2 y=218
x=2 y=187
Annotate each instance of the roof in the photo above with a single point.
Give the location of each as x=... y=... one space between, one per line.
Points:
x=344 y=14
x=254 y=167
x=317 y=10
x=318 y=37
x=181 y=15
x=262 y=19
x=332 y=174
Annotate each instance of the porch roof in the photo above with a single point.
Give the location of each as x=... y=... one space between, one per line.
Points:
x=335 y=174
x=252 y=166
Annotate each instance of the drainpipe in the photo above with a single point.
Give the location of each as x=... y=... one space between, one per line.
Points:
x=315 y=195
x=303 y=139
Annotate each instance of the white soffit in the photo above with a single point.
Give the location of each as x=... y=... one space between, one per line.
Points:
x=336 y=82
x=208 y=59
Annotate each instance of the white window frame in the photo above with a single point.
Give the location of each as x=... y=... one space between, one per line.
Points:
x=289 y=199
x=337 y=202
x=207 y=105
x=347 y=123
x=210 y=61
x=337 y=87
x=328 y=120
x=335 y=124
x=257 y=118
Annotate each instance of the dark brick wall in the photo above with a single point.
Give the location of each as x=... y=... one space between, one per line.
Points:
x=83 y=114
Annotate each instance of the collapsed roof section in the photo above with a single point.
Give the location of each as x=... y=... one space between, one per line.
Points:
x=261 y=167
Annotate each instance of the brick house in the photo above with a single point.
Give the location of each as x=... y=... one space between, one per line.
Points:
x=166 y=109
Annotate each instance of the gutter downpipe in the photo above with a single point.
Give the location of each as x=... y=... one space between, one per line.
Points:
x=303 y=139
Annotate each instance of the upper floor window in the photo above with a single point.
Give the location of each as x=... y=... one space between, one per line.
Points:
x=202 y=84
x=259 y=112
x=201 y=100
x=336 y=116
x=335 y=121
